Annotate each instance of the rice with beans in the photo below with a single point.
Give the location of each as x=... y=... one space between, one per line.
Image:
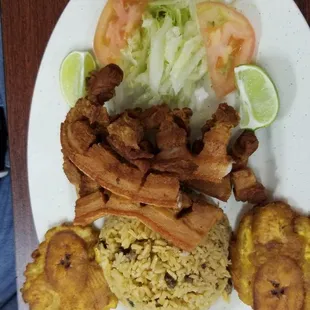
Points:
x=146 y=272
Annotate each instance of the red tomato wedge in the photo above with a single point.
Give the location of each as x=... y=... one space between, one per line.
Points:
x=230 y=41
x=117 y=22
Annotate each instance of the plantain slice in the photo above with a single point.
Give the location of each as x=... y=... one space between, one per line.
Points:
x=302 y=228
x=292 y=248
x=279 y=285
x=242 y=270
x=66 y=261
x=273 y=223
x=272 y=243
x=64 y=273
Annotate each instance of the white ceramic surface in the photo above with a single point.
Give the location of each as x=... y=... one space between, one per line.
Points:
x=282 y=161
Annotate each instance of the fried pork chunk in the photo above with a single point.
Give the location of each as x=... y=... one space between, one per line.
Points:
x=64 y=273
x=125 y=136
x=243 y=148
x=221 y=191
x=213 y=161
x=109 y=172
x=152 y=118
x=174 y=156
x=185 y=229
x=84 y=124
x=247 y=188
x=101 y=84
x=83 y=184
x=73 y=174
x=244 y=182
x=211 y=156
x=270 y=261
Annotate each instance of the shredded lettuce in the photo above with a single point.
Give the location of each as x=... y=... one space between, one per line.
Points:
x=165 y=60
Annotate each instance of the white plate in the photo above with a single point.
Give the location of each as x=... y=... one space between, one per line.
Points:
x=282 y=161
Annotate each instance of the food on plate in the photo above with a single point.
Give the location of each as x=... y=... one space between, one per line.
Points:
x=259 y=97
x=242 y=269
x=302 y=228
x=245 y=146
x=221 y=191
x=117 y=22
x=185 y=229
x=146 y=272
x=83 y=184
x=270 y=261
x=126 y=137
x=100 y=85
x=246 y=187
x=74 y=69
x=64 y=273
x=138 y=153
x=213 y=161
x=108 y=171
x=230 y=41
x=244 y=182
x=279 y=285
x=127 y=149
x=214 y=164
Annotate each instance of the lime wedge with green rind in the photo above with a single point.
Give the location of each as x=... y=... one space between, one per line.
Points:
x=259 y=97
x=74 y=69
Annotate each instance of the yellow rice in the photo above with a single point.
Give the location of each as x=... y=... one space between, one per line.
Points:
x=146 y=272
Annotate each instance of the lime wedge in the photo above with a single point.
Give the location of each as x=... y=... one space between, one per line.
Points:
x=74 y=69
x=259 y=97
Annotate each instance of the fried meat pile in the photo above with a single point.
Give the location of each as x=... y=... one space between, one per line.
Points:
x=64 y=273
x=141 y=163
x=270 y=258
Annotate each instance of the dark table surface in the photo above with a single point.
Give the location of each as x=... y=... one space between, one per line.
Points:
x=27 y=26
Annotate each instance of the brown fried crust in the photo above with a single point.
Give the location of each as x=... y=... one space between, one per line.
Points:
x=101 y=84
x=221 y=191
x=90 y=118
x=88 y=130
x=73 y=174
x=64 y=274
x=246 y=145
x=87 y=186
x=104 y=168
x=185 y=232
x=302 y=228
x=265 y=235
x=247 y=188
x=212 y=163
x=125 y=136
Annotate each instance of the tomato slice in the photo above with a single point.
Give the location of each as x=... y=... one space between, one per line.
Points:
x=230 y=41
x=117 y=22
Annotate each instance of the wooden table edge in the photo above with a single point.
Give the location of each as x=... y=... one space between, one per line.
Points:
x=26 y=28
